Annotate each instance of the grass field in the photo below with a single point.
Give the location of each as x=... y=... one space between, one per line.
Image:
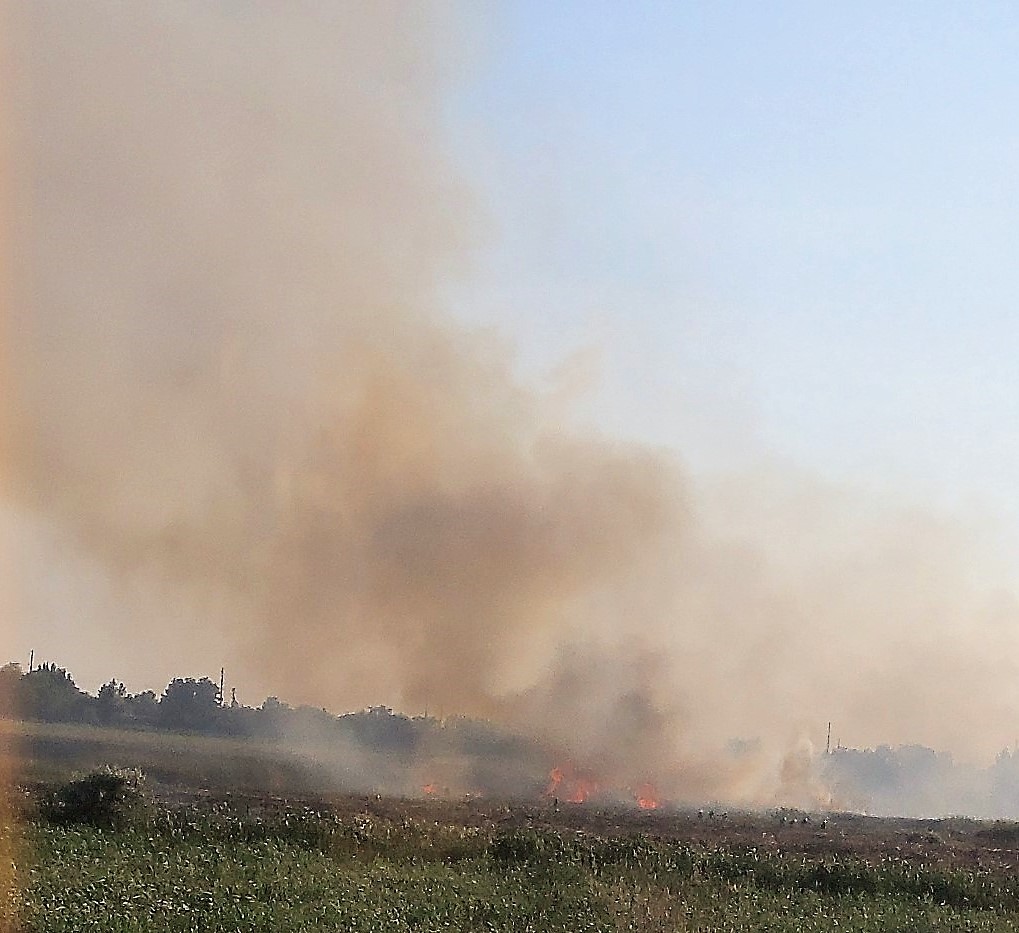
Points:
x=52 y=751
x=48 y=752
x=232 y=840
x=366 y=864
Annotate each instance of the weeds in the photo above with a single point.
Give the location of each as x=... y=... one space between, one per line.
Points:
x=215 y=868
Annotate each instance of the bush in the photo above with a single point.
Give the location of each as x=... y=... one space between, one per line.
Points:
x=106 y=797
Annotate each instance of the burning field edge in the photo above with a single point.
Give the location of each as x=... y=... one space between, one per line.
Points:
x=367 y=862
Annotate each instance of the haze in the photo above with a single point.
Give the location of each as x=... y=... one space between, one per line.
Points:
x=639 y=380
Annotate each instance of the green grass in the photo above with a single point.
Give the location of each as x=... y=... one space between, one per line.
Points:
x=50 y=752
x=209 y=868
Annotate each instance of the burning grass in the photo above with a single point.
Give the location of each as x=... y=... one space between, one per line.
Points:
x=612 y=860
x=363 y=864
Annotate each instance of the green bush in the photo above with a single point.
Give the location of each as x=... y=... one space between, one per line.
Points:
x=107 y=798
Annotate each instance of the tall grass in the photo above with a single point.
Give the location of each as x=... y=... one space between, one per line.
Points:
x=215 y=868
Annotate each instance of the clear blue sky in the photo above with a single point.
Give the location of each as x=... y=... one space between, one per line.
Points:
x=790 y=228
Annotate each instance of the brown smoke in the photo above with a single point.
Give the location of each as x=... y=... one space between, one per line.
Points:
x=244 y=426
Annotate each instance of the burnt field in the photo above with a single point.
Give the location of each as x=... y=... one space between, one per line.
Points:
x=266 y=778
x=224 y=836
x=955 y=842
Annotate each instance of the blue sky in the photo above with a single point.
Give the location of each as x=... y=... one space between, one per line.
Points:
x=789 y=229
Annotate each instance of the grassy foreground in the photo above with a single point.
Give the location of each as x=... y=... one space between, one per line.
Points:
x=205 y=867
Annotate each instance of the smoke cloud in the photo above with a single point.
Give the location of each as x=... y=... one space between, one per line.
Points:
x=244 y=428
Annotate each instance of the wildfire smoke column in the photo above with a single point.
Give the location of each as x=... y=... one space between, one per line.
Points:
x=244 y=428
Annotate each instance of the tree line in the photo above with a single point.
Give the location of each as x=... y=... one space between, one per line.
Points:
x=905 y=780
x=48 y=693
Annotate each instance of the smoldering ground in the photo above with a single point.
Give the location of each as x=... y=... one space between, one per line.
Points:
x=242 y=423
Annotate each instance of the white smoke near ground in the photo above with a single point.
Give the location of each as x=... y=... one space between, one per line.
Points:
x=243 y=424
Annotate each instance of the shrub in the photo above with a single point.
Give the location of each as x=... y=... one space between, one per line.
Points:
x=106 y=797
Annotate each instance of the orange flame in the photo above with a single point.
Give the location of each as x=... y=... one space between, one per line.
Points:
x=581 y=790
x=563 y=781
x=429 y=789
x=646 y=797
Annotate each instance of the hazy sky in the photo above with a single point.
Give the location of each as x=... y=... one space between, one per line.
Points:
x=780 y=230
x=770 y=239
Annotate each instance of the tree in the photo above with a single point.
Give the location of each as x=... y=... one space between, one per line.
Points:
x=51 y=695
x=190 y=705
x=111 y=703
x=11 y=677
x=143 y=708
x=378 y=727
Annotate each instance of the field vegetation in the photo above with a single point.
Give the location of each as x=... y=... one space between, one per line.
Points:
x=205 y=863
x=245 y=831
x=192 y=732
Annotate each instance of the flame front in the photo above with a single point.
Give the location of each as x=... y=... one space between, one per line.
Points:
x=646 y=797
x=565 y=782
x=581 y=790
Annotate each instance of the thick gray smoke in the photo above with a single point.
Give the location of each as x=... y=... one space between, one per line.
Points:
x=243 y=424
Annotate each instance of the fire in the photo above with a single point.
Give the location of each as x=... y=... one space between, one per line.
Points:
x=581 y=790
x=566 y=782
x=429 y=789
x=646 y=797
x=563 y=781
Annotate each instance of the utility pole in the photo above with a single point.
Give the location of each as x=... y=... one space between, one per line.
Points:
x=31 y=661
x=222 y=677
x=827 y=745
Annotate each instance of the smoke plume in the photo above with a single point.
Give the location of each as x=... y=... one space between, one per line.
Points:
x=244 y=427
